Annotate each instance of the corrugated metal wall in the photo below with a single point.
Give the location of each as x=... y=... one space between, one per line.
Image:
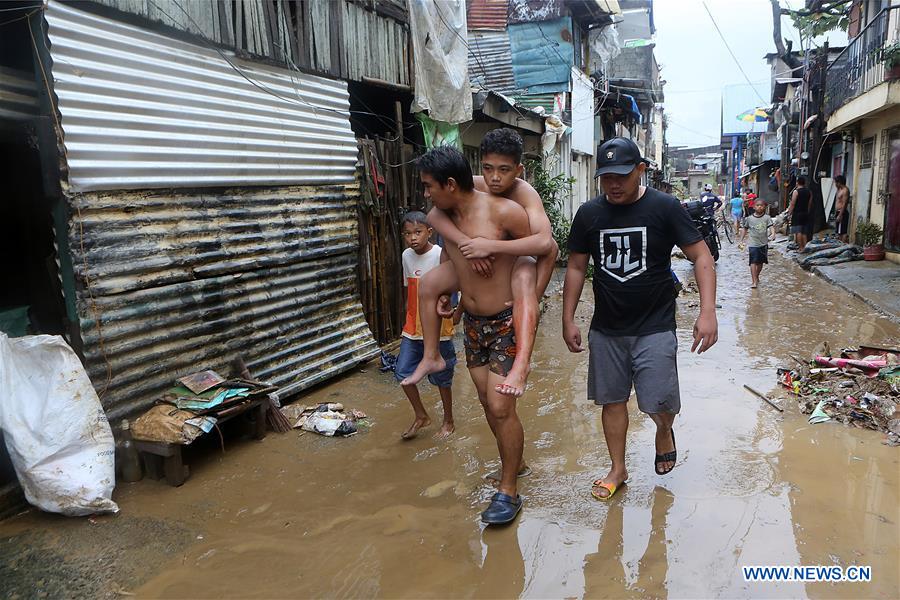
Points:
x=490 y=62
x=487 y=14
x=186 y=280
x=141 y=110
x=350 y=39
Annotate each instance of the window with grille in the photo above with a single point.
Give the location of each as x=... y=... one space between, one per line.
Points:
x=867 y=154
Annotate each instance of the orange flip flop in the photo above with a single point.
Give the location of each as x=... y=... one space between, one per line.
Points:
x=610 y=487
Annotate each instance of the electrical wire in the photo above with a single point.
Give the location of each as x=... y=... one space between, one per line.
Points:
x=694 y=131
x=389 y=125
x=19 y=8
x=22 y=18
x=727 y=47
x=87 y=278
x=476 y=55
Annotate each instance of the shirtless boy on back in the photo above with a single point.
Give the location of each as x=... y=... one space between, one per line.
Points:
x=489 y=337
x=501 y=167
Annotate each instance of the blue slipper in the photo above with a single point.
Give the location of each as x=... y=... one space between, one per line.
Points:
x=502 y=509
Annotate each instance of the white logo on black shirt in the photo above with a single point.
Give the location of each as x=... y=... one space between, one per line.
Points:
x=623 y=252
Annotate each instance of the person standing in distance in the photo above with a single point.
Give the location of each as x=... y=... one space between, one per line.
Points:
x=842 y=208
x=800 y=211
x=630 y=232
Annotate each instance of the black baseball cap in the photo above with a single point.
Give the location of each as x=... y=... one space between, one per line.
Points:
x=619 y=156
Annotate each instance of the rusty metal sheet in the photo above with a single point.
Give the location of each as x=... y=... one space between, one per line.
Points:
x=487 y=14
x=141 y=110
x=187 y=281
x=490 y=62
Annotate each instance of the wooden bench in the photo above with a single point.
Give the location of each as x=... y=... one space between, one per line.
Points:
x=162 y=458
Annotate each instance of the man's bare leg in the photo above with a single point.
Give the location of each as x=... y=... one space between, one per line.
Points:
x=500 y=411
x=615 y=426
x=436 y=282
x=448 y=427
x=529 y=282
x=422 y=419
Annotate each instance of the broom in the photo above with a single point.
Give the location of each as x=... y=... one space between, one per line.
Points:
x=276 y=421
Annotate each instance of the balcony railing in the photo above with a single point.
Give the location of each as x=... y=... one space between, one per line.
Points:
x=859 y=67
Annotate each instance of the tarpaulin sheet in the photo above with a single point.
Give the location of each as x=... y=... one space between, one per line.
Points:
x=542 y=55
x=441 y=53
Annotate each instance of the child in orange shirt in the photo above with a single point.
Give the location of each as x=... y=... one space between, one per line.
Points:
x=420 y=257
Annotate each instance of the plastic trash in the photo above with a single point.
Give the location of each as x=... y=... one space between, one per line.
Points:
x=819 y=415
x=329 y=423
x=57 y=434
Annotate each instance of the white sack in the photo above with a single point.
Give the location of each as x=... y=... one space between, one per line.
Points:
x=56 y=432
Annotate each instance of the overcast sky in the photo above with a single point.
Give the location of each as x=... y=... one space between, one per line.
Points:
x=696 y=64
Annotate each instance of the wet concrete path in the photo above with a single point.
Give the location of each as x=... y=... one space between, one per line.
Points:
x=307 y=516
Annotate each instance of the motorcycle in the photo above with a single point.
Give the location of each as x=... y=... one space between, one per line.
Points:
x=706 y=225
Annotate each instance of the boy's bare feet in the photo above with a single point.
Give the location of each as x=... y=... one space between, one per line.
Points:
x=413 y=430
x=446 y=430
x=514 y=384
x=426 y=367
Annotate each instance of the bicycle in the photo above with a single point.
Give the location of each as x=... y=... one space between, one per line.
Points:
x=726 y=226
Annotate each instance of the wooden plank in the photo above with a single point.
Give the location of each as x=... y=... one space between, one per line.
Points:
x=226 y=14
x=338 y=68
x=239 y=42
x=270 y=24
x=389 y=9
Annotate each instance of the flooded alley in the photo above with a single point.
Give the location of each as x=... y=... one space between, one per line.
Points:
x=373 y=516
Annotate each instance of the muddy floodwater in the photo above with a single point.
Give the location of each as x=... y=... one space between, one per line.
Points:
x=371 y=516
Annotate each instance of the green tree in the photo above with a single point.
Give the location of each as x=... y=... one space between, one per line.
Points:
x=554 y=190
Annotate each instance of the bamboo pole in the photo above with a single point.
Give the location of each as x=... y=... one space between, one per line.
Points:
x=762 y=397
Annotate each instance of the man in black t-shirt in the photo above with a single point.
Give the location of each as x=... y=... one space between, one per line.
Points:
x=629 y=232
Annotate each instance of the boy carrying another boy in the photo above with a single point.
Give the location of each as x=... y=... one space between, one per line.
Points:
x=501 y=167
x=490 y=336
x=420 y=257
x=760 y=227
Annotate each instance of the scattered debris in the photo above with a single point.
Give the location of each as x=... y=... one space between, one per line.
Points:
x=388 y=361
x=860 y=388
x=202 y=381
x=689 y=288
x=328 y=418
x=197 y=403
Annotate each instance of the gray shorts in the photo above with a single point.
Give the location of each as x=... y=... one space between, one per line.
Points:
x=648 y=362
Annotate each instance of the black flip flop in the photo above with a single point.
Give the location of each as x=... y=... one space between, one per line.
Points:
x=667 y=457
